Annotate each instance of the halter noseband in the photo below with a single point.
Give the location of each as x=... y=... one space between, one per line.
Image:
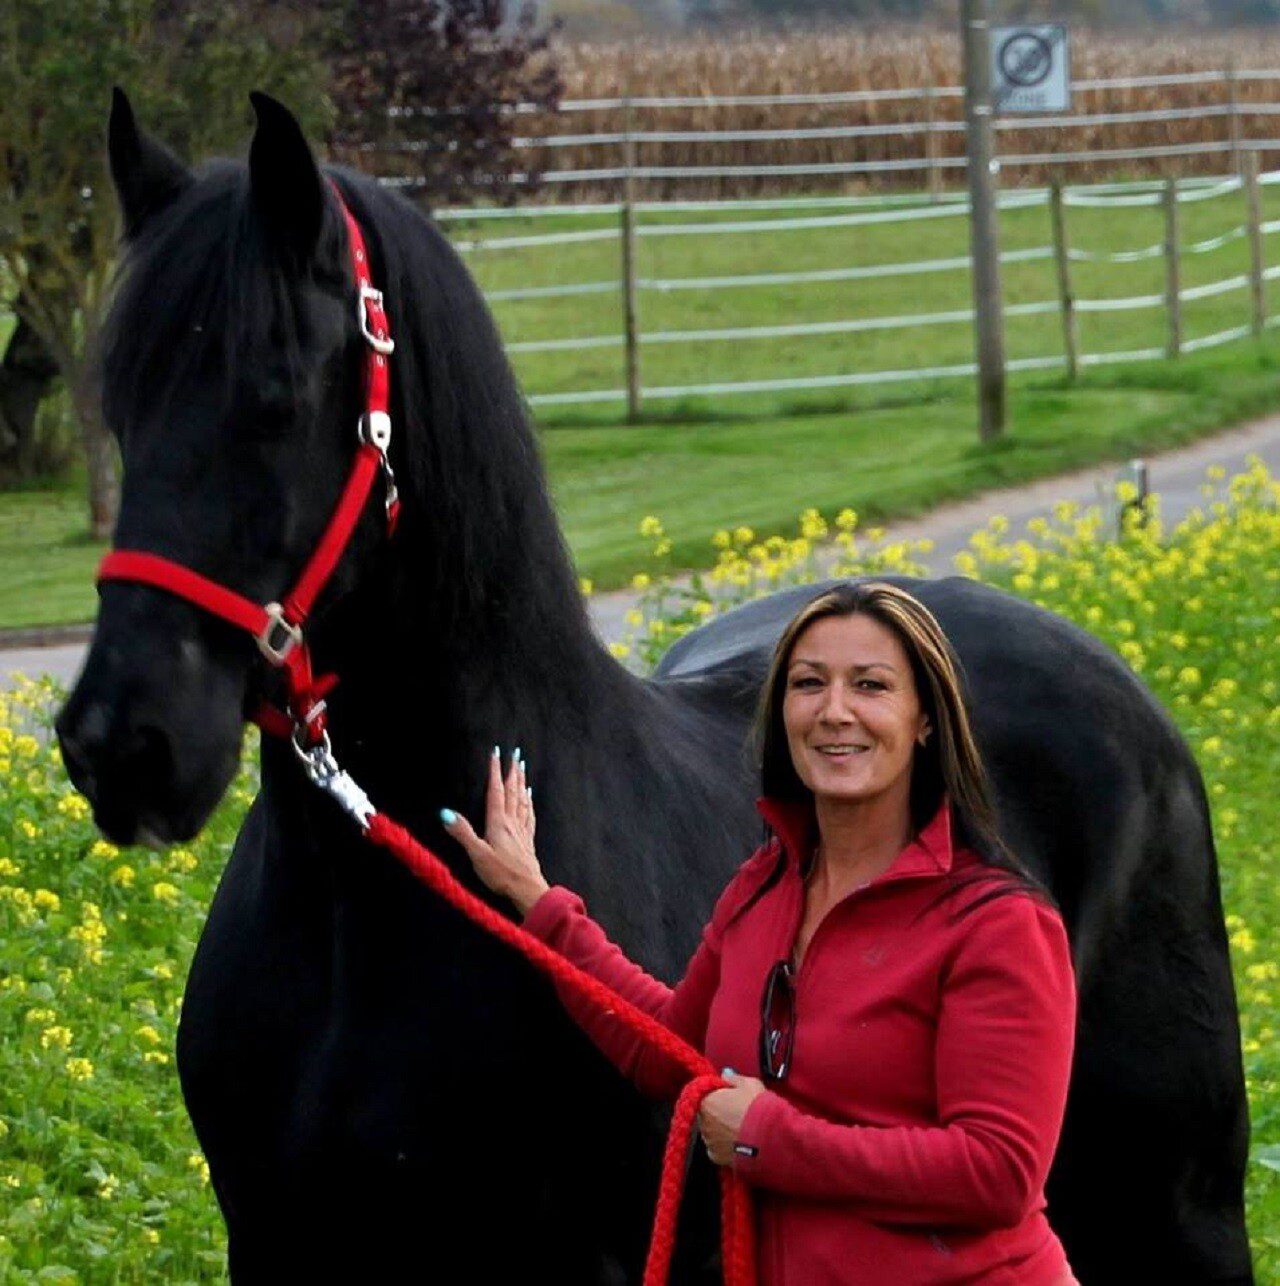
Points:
x=277 y=627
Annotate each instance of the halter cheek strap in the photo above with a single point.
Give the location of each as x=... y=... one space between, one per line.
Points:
x=277 y=626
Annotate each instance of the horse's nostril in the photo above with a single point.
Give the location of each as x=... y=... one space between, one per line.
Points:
x=146 y=758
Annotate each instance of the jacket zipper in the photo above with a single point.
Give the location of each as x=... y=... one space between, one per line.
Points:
x=798 y=920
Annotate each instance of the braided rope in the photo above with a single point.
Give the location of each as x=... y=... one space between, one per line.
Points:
x=736 y=1231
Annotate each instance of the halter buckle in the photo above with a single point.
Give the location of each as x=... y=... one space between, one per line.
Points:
x=279 y=637
x=374 y=427
x=379 y=343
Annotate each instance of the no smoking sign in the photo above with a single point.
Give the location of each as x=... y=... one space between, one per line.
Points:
x=1029 y=69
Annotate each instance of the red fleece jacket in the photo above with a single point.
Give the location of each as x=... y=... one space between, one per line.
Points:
x=909 y=1143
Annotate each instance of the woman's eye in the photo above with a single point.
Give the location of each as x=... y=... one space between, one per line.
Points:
x=803 y=683
x=875 y=683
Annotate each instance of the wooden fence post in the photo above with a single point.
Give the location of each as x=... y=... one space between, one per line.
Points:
x=1062 y=253
x=1172 y=276
x=1257 y=265
x=631 y=335
x=1233 y=113
x=931 y=145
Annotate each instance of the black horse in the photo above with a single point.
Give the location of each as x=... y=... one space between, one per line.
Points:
x=377 y=1086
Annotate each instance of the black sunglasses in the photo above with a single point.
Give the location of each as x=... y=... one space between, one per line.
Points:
x=777 y=1022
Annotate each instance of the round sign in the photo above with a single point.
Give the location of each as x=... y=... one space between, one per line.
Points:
x=1025 y=59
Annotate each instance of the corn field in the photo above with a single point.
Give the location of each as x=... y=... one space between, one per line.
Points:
x=890 y=59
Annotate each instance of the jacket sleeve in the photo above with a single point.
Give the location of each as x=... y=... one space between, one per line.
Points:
x=1005 y=1035
x=559 y=918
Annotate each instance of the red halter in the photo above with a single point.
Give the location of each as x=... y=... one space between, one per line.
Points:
x=277 y=627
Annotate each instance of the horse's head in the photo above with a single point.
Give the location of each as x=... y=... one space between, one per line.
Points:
x=231 y=366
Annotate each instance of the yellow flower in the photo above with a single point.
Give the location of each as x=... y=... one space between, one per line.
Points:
x=721 y=540
x=662 y=548
x=25 y=747
x=147 y=1034
x=40 y=1015
x=102 y=849
x=183 y=860
x=150 y=1236
x=847 y=519
x=1243 y=941
x=29 y=829
x=197 y=1163
x=650 y=526
x=74 y=806
x=8 y=867
x=79 y=1069
x=155 y=1056
x=162 y=970
x=55 y=1037
x=123 y=875
x=163 y=891
x=743 y=535
x=702 y=608
x=586 y=586
x=634 y=618
x=108 y=1187
x=619 y=650
x=46 y=900
x=640 y=580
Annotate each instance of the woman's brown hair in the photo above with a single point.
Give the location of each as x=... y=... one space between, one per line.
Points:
x=949 y=760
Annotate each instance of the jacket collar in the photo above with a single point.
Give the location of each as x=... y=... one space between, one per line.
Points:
x=796 y=825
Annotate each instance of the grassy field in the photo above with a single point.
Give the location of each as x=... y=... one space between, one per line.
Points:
x=890 y=450
x=1097 y=231
x=100 y=1176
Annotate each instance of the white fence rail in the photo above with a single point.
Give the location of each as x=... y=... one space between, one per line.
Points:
x=1119 y=197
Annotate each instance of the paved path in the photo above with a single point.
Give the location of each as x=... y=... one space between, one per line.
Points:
x=1176 y=475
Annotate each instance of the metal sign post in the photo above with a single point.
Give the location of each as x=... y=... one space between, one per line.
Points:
x=984 y=236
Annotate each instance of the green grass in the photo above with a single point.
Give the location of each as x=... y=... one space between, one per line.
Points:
x=889 y=451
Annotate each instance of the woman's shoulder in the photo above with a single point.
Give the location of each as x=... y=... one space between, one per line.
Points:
x=995 y=914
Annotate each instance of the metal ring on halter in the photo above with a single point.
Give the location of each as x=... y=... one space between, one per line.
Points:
x=324 y=746
x=277 y=626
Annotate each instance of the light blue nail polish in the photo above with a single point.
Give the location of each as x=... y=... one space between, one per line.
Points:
x=516 y=754
x=529 y=789
x=727 y=1071
x=448 y=816
x=495 y=752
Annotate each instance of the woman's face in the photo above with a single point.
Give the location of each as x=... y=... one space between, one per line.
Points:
x=849 y=685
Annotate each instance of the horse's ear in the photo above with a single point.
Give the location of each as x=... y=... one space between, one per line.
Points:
x=146 y=174
x=287 y=188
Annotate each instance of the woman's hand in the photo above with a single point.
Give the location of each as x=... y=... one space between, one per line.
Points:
x=721 y=1113
x=504 y=859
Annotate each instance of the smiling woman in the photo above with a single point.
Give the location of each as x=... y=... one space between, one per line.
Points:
x=909 y=1068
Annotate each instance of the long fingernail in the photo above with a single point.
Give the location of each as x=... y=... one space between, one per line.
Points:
x=496 y=753
x=727 y=1071
x=448 y=816
x=516 y=754
x=529 y=792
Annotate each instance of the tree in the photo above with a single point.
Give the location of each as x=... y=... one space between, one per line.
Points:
x=427 y=87
x=430 y=88
x=188 y=69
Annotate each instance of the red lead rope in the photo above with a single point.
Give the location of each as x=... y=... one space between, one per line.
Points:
x=737 y=1239
x=277 y=627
